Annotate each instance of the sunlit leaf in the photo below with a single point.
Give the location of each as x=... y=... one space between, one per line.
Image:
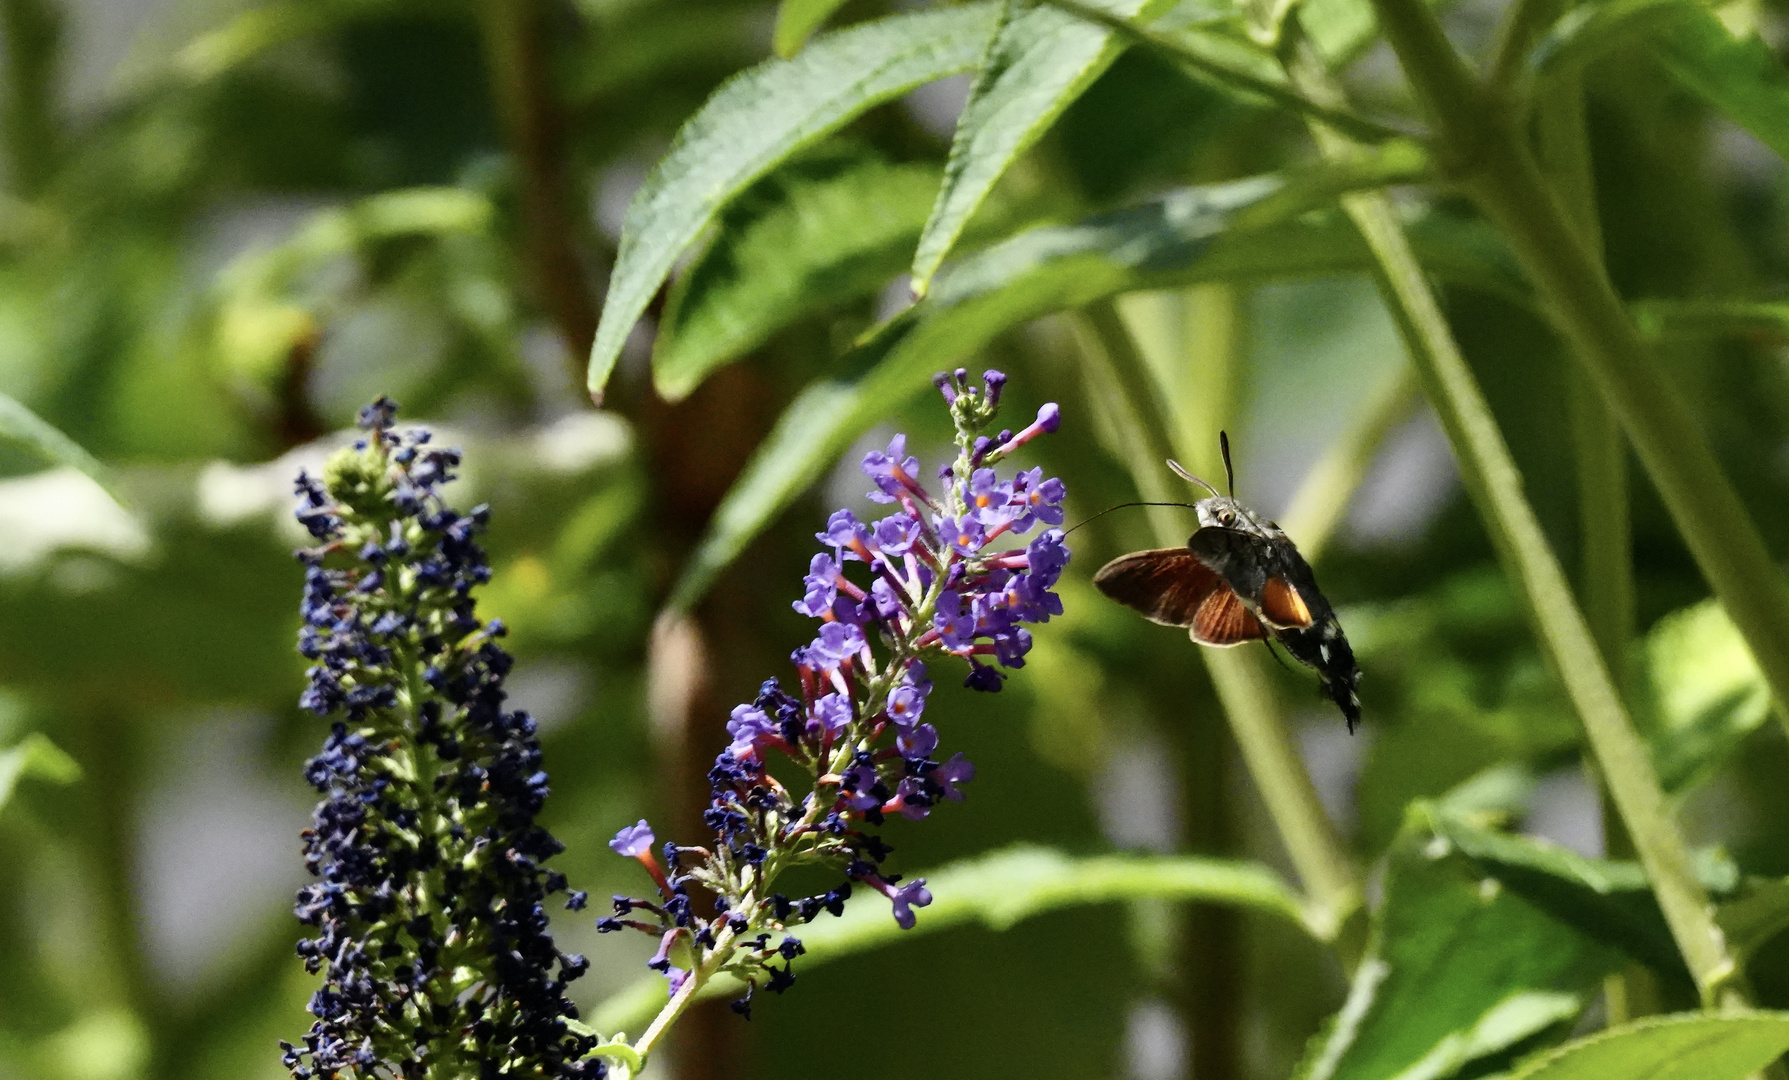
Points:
x=1685 y=1046
x=1460 y=969
x=24 y=428
x=1040 y=61
x=1740 y=76
x=796 y=21
x=1708 y=691
x=997 y=891
x=1178 y=239
x=37 y=758
x=755 y=120
x=810 y=236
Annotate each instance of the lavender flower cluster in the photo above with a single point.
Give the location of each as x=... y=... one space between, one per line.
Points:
x=429 y=909
x=940 y=575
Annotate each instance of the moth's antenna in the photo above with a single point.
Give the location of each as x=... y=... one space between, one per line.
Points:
x=1121 y=506
x=1229 y=472
x=1181 y=472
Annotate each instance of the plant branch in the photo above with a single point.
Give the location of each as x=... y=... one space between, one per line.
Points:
x=1323 y=495
x=1206 y=57
x=1496 y=487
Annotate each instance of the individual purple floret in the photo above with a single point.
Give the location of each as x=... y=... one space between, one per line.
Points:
x=948 y=579
x=429 y=904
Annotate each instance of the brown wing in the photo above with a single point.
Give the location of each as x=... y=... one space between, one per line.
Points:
x=1283 y=607
x=1168 y=585
x=1224 y=620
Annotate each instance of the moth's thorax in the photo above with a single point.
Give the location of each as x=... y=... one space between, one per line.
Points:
x=1226 y=513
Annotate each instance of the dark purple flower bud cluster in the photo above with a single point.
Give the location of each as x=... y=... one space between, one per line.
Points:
x=942 y=575
x=430 y=903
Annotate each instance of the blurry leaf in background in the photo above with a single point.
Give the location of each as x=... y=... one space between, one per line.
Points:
x=1039 y=62
x=816 y=233
x=1460 y=969
x=1708 y=693
x=24 y=428
x=796 y=21
x=757 y=119
x=1686 y=1046
x=998 y=891
x=35 y=757
x=1733 y=68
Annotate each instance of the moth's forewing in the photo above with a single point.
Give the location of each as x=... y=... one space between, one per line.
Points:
x=1167 y=585
x=1224 y=620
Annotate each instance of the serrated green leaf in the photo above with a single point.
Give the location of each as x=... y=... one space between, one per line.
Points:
x=35 y=756
x=755 y=120
x=796 y=21
x=813 y=235
x=1460 y=969
x=997 y=891
x=1608 y=900
x=1178 y=239
x=1684 y=1046
x=1707 y=691
x=1039 y=62
x=24 y=428
x=1740 y=76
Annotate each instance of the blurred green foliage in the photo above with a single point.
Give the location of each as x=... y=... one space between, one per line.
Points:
x=226 y=225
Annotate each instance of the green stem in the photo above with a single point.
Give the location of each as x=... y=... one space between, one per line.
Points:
x=1487 y=151
x=1120 y=381
x=1496 y=487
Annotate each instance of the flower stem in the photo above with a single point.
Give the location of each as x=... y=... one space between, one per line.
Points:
x=1496 y=487
x=1122 y=386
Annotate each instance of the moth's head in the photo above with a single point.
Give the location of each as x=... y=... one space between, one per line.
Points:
x=1223 y=512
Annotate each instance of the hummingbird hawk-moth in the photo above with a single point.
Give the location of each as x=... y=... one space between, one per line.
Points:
x=1239 y=579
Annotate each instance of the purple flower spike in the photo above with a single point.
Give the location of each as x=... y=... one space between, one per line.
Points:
x=895 y=534
x=905 y=706
x=907 y=897
x=953 y=621
x=958 y=770
x=819 y=588
x=893 y=471
x=634 y=841
x=964 y=535
x=832 y=713
x=844 y=532
x=929 y=580
x=990 y=501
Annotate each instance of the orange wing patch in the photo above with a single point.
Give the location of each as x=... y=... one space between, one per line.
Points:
x=1282 y=606
x=1167 y=585
x=1224 y=620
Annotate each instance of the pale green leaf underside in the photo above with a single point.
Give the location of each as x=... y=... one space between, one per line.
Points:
x=812 y=236
x=796 y=21
x=998 y=891
x=1039 y=62
x=37 y=757
x=22 y=427
x=1685 y=1046
x=1172 y=241
x=1460 y=969
x=758 y=118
